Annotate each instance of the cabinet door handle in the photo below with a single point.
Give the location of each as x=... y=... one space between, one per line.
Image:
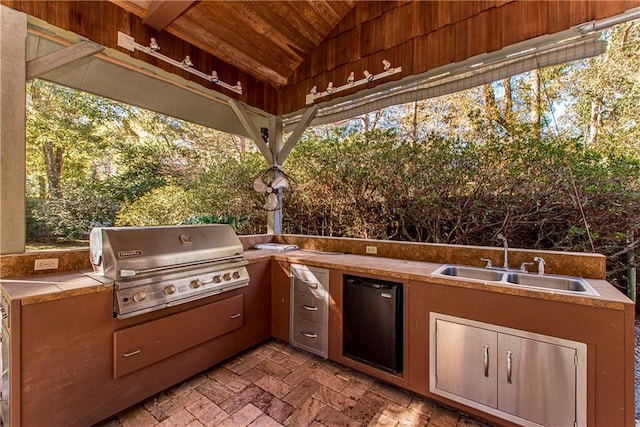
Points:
x=308 y=335
x=509 y=367
x=308 y=307
x=486 y=360
x=234 y=316
x=132 y=353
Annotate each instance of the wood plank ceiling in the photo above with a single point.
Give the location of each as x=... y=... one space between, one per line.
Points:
x=266 y=39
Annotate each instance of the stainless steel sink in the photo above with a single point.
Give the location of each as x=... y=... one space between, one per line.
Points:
x=470 y=273
x=558 y=283
x=564 y=284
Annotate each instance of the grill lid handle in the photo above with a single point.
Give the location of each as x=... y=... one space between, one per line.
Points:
x=127 y=273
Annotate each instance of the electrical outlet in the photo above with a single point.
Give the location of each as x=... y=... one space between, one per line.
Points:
x=46 y=264
x=372 y=249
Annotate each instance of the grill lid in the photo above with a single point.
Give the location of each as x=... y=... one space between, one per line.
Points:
x=123 y=252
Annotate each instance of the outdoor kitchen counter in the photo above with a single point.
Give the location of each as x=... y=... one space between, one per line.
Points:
x=419 y=271
x=35 y=289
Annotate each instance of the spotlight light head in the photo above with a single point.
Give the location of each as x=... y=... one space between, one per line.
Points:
x=314 y=90
x=214 y=76
x=238 y=85
x=351 y=78
x=330 y=88
x=154 y=45
x=386 y=65
x=187 y=61
x=368 y=76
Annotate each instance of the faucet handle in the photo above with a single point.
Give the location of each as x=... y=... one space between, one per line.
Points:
x=488 y=261
x=523 y=266
x=541 y=264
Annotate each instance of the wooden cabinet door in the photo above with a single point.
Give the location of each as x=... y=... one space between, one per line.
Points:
x=280 y=300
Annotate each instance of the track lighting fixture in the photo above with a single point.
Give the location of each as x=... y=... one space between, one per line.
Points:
x=128 y=42
x=352 y=82
x=186 y=62
x=154 y=45
x=351 y=78
x=368 y=76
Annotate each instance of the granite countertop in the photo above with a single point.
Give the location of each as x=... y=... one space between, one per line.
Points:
x=34 y=289
x=609 y=297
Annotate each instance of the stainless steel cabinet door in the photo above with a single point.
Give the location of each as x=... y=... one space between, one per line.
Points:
x=466 y=362
x=537 y=380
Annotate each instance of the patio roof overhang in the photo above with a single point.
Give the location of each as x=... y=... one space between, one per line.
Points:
x=279 y=50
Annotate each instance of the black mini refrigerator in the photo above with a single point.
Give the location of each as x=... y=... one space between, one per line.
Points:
x=372 y=322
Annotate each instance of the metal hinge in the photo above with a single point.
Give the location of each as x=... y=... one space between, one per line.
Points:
x=575 y=359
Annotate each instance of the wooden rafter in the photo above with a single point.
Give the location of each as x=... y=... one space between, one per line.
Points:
x=163 y=12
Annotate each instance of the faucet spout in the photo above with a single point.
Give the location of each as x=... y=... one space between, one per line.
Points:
x=501 y=237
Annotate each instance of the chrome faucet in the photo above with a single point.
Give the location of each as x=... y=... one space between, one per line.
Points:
x=506 y=250
x=541 y=264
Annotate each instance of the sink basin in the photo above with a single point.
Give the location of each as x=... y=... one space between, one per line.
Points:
x=470 y=273
x=565 y=284
x=558 y=283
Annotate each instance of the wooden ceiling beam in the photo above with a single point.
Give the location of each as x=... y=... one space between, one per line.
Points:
x=163 y=12
x=44 y=64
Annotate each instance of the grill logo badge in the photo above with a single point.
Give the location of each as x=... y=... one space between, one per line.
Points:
x=129 y=254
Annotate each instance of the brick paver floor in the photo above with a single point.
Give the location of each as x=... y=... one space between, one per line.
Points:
x=275 y=384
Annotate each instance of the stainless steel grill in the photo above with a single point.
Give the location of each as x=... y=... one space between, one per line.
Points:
x=157 y=267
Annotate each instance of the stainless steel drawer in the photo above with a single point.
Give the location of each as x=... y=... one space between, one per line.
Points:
x=309 y=280
x=309 y=307
x=310 y=336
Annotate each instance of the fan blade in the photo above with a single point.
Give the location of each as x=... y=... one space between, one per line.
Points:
x=272 y=202
x=259 y=185
x=279 y=181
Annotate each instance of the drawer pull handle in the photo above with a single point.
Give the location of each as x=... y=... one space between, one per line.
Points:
x=509 y=367
x=235 y=316
x=132 y=353
x=308 y=307
x=311 y=285
x=308 y=335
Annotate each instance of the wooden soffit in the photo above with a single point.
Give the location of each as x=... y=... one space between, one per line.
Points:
x=266 y=39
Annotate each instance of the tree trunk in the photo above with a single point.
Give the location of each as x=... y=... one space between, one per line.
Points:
x=508 y=100
x=594 y=124
x=53 y=159
x=413 y=133
x=490 y=106
x=535 y=112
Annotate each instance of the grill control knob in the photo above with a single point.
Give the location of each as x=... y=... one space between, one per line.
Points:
x=217 y=278
x=227 y=276
x=169 y=289
x=236 y=274
x=195 y=284
x=139 y=296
